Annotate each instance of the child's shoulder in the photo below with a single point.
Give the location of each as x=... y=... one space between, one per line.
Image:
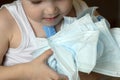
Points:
x=6 y=20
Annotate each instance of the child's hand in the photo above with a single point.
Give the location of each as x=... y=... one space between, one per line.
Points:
x=38 y=69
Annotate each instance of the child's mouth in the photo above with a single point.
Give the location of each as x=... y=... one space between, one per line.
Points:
x=51 y=18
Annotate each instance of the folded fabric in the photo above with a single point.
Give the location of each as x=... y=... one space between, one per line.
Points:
x=83 y=44
x=108 y=63
x=49 y=30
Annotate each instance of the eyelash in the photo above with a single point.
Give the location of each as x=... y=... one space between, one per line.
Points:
x=36 y=2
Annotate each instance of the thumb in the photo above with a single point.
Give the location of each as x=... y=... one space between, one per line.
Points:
x=63 y=77
x=44 y=56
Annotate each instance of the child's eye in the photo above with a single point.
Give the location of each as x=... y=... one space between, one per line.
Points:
x=36 y=2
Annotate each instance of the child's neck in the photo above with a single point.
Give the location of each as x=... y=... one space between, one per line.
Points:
x=72 y=13
x=58 y=26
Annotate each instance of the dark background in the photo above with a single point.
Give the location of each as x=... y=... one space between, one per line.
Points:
x=110 y=9
x=107 y=8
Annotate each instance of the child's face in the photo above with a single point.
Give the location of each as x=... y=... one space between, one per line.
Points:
x=47 y=12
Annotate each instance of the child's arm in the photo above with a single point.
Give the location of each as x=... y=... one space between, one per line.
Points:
x=35 y=70
x=12 y=73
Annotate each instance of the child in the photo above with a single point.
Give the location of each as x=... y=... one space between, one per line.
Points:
x=22 y=25
x=21 y=29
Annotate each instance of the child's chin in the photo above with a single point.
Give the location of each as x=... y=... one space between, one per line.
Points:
x=49 y=24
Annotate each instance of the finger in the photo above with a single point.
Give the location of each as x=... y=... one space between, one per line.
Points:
x=52 y=74
x=44 y=56
x=56 y=76
x=63 y=77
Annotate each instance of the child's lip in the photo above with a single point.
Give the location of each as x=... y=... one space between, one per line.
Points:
x=51 y=18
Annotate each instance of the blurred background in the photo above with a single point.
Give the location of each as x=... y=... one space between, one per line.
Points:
x=110 y=9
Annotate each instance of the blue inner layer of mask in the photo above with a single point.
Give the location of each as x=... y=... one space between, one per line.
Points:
x=49 y=30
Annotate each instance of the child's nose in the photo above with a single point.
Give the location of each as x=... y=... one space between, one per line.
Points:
x=51 y=9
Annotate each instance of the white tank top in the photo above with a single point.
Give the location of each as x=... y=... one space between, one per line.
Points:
x=29 y=41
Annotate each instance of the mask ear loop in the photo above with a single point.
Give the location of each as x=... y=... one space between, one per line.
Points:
x=49 y=30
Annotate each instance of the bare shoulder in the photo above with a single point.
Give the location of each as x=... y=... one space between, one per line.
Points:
x=6 y=21
x=6 y=24
x=6 y=27
x=10 y=28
